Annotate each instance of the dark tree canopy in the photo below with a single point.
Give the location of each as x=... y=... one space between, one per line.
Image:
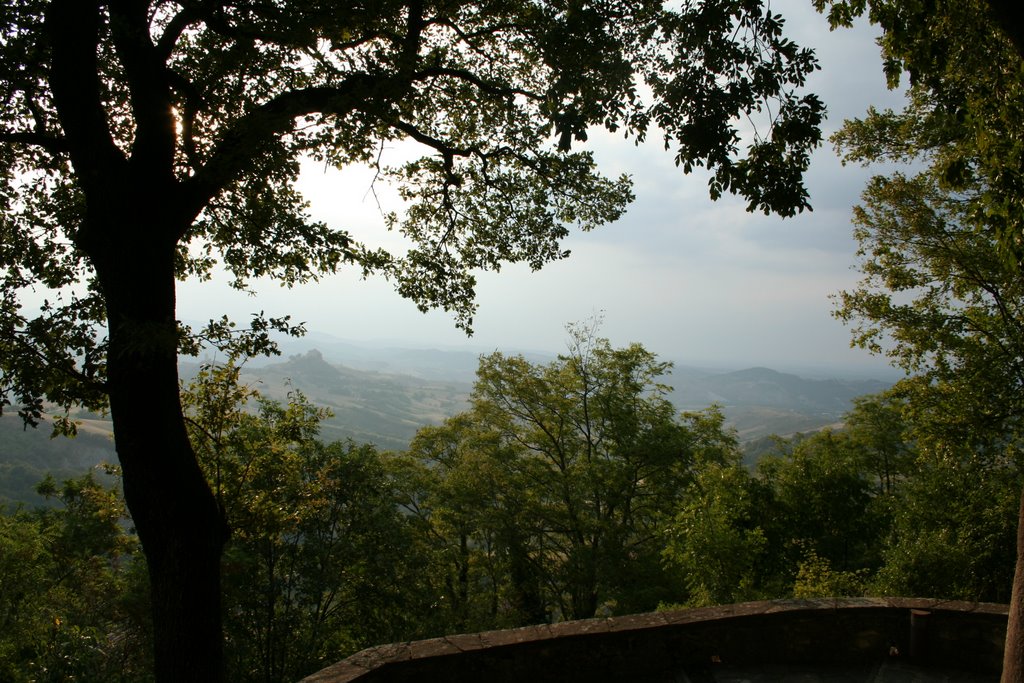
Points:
x=195 y=115
x=143 y=141
x=962 y=60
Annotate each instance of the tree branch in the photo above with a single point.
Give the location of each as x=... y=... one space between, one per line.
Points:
x=486 y=86
x=54 y=145
x=57 y=364
x=244 y=140
x=413 y=36
x=446 y=150
x=175 y=27
x=147 y=82
x=72 y=27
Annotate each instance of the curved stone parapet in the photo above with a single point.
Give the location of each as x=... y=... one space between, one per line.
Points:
x=847 y=639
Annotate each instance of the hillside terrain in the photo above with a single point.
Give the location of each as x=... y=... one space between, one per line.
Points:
x=383 y=395
x=385 y=405
x=759 y=402
x=28 y=454
x=367 y=405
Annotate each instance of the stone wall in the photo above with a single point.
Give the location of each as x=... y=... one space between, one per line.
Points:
x=687 y=645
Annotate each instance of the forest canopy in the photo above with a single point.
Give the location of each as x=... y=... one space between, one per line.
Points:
x=569 y=489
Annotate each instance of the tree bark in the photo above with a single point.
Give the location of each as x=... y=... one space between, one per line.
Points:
x=1013 y=650
x=175 y=514
x=179 y=523
x=135 y=212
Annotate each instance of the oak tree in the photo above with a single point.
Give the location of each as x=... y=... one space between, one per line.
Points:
x=143 y=141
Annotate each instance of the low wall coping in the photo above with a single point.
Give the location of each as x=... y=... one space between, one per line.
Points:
x=678 y=634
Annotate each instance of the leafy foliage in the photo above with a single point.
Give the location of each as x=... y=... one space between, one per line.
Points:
x=936 y=286
x=557 y=482
x=965 y=73
x=942 y=302
x=146 y=141
x=336 y=547
x=319 y=563
x=72 y=598
x=814 y=520
x=824 y=501
x=715 y=540
x=940 y=251
x=954 y=528
x=202 y=111
x=816 y=578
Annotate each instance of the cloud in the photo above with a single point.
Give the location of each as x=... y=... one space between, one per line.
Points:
x=694 y=280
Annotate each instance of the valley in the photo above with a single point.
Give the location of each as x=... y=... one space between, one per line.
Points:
x=383 y=395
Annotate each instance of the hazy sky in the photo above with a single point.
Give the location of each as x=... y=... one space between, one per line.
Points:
x=697 y=281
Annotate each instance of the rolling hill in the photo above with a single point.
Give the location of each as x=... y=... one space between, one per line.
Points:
x=394 y=391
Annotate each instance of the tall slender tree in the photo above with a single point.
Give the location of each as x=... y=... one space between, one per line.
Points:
x=943 y=249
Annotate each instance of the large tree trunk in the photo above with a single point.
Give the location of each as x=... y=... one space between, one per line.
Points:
x=135 y=215
x=1013 y=652
x=176 y=515
x=177 y=519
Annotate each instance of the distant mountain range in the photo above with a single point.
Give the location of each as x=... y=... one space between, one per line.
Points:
x=383 y=395
x=760 y=401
